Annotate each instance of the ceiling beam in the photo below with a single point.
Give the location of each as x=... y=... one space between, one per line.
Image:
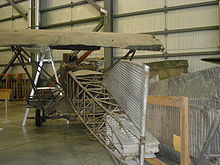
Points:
x=18 y=9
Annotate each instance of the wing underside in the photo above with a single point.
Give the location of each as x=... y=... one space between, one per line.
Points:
x=79 y=40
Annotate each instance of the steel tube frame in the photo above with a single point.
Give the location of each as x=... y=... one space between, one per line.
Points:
x=184 y=54
x=97 y=7
x=18 y=51
x=9 y=64
x=72 y=4
x=37 y=14
x=49 y=78
x=18 y=9
x=108 y=27
x=87 y=102
x=166 y=9
x=15 y=1
x=11 y=18
x=219 y=20
x=86 y=20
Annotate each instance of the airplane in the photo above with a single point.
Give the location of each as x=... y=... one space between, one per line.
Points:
x=111 y=116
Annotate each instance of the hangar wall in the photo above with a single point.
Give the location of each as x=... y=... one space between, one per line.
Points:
x=189 y=29
x=186 y=27
x=10 y=19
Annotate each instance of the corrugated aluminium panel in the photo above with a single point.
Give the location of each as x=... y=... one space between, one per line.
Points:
x=5 y=12
x=193 y=17
x=23 y=6
x=84 y=27
x=140 y=24
x=183 y=2
x=193 y=41
x=53 y=3
x=56 y=16
x=63 y=28
x=147 y=60
x=4 y=26
x=125 y=6
x=127 y=82
x=203 y=91
x=85 y=11
x=20 y=24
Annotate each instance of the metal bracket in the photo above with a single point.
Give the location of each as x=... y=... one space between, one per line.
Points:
x=99 y=8
x=17 y=9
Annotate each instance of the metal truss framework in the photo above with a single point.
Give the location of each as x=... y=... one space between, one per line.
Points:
x=37 y=100
x=105 y=119
x=18 y=9
x=92 y=103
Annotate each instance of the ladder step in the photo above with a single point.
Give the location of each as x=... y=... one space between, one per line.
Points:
x=46 y=88
x=31 y=117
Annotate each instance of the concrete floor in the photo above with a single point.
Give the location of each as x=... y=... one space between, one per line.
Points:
x=56 y=143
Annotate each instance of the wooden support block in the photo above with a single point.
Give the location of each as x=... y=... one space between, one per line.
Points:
x=184 y=132
x=172 y=101
x=155 y=161
x=181 y=143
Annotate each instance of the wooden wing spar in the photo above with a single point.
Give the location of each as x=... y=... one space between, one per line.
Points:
x=79 y=40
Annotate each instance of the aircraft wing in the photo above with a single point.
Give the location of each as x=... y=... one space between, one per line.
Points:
x=79 y=40
x=215 y=60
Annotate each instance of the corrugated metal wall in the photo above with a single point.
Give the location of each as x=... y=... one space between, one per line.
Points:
x=12 y=24
x=179 y=42
x=182 y=27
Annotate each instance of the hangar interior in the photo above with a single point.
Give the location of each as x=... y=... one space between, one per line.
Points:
x=182 y=74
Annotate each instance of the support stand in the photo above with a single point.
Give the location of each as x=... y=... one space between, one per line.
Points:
x=46 y=56
x=36 y=99
x=5 y=94
x=6 y=121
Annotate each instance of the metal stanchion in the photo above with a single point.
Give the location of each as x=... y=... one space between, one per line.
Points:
x=25 y=116
x=6 y=113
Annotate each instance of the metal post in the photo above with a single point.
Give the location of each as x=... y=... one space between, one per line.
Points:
x=32 y=25
x=144 y=121
x=37 y=14
x=108 y=27
x=53 y=67
x=38 y=71
x=6 y=113
x=219 y=20
x=29 y=14
x=25 y=116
